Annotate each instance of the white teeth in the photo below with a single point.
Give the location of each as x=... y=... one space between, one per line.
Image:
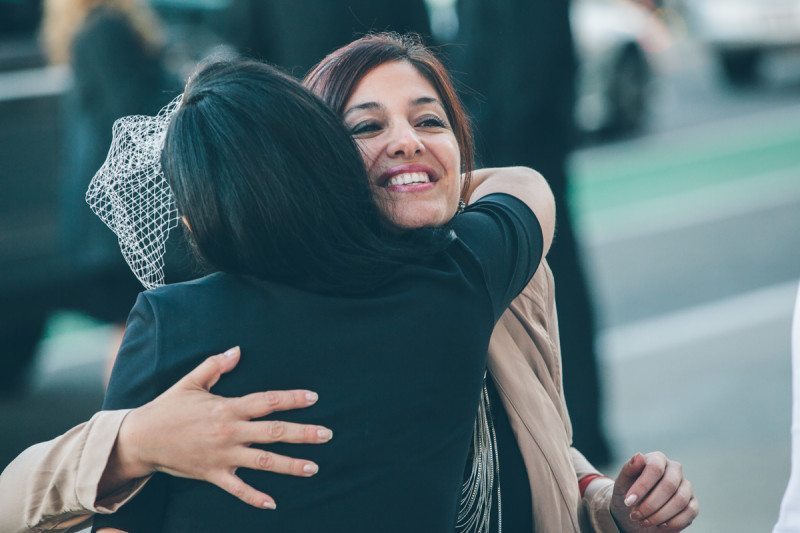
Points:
x=407 y=178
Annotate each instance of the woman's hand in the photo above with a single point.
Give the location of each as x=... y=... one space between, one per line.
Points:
x=189 y=432
x=651 y=494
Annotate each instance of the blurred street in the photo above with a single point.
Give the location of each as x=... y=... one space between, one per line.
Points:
x=692 y=233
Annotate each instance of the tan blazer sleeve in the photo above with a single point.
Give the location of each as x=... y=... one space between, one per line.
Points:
x=596 y=502
x=52 y=486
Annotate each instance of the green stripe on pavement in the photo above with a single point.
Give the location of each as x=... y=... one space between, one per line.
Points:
x=654 y=170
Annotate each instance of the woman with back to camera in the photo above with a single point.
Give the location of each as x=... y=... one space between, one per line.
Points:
x=382 y=322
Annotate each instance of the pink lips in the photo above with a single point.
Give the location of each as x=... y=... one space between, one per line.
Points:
x=408 y=169
x=411 y=187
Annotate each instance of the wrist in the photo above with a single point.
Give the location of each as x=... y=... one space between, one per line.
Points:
x=128 y=448
x=584 y=482
x=123 y=465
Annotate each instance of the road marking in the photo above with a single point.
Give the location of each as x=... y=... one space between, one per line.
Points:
x=654 y=336
x=692 y=208
x=34 y=82
x=624 y=160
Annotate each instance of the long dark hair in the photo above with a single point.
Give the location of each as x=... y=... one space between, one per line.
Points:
x=334 y=78
x=273 y=186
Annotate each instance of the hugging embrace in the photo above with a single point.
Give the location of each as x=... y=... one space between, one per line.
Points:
x=357 y=254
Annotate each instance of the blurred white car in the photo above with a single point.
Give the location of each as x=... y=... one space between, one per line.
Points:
x=740 y=32
x=615 y=40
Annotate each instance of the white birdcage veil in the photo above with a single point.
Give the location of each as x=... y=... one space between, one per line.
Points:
x=131 y=195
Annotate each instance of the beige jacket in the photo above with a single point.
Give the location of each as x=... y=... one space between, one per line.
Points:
x=52 y=486
x=525 y=361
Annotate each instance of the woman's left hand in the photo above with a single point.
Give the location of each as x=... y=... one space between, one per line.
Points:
x=651 y=494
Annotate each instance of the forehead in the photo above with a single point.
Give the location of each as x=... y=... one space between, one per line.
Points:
x=394 y=83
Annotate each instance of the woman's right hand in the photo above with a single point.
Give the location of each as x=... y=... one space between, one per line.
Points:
x=189 y=432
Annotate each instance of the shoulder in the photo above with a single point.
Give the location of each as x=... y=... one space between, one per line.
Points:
x=210 y=286
x=499 y=223
x=188 y=296
x=492 y=211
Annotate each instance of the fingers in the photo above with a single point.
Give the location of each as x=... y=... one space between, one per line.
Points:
x=655 y=465
x=277 y=431
x=234 y=485
x=272 y=462
x=628 y=475
x=671 y=509
x=207 y=373
x=261 y=404
x=685 y=518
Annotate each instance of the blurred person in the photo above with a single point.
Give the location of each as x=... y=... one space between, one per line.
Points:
x=518 y=63
x=296 y=34
x=789 y=520
x=113 y=48
x=311 y=275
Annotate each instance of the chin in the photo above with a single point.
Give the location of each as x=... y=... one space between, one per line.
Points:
x=421 y=217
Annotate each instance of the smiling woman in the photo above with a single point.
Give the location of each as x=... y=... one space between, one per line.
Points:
x=407 y=143
x=406 y=112
x=400 y=106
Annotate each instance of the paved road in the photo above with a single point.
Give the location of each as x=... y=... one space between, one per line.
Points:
x=692 y=236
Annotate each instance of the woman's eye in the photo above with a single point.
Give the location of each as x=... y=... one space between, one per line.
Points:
x=432 y=122
x=364 y=127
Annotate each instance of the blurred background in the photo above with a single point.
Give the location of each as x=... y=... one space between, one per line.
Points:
x=683 y=158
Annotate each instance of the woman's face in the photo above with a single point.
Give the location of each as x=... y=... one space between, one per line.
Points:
x=412 y=158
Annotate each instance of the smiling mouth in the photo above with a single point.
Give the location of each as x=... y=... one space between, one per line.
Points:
x=408 y=178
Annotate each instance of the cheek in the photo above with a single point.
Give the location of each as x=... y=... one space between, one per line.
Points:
x=448 y=153
x=450 y=158
x=369 y=151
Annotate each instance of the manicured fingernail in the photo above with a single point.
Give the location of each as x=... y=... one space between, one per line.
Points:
x=630 y=500
x=231 y=352
x=636 y=516
x=270 y=505
x=325 y=434
x=310 y=468
x=312 y=396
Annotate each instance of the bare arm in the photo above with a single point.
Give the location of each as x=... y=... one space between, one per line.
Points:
x=523 y=183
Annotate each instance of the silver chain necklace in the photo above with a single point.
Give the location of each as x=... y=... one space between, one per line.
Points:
x=477 y=492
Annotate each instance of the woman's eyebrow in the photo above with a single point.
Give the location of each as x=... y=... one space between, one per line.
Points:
x=362 y=107
x=424 y=100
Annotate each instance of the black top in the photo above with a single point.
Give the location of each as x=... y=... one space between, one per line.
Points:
x=515 y=489
x=398 y=371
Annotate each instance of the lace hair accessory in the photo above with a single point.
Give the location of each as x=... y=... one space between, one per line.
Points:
x=131 y=195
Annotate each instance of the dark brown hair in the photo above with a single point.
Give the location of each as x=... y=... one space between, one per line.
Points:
x=334 y=78
x=273 y=186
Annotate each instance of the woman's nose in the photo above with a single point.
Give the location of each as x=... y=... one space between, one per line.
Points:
x=405 y=143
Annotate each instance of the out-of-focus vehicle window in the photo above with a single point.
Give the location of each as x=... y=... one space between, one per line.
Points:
x=742 y=32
